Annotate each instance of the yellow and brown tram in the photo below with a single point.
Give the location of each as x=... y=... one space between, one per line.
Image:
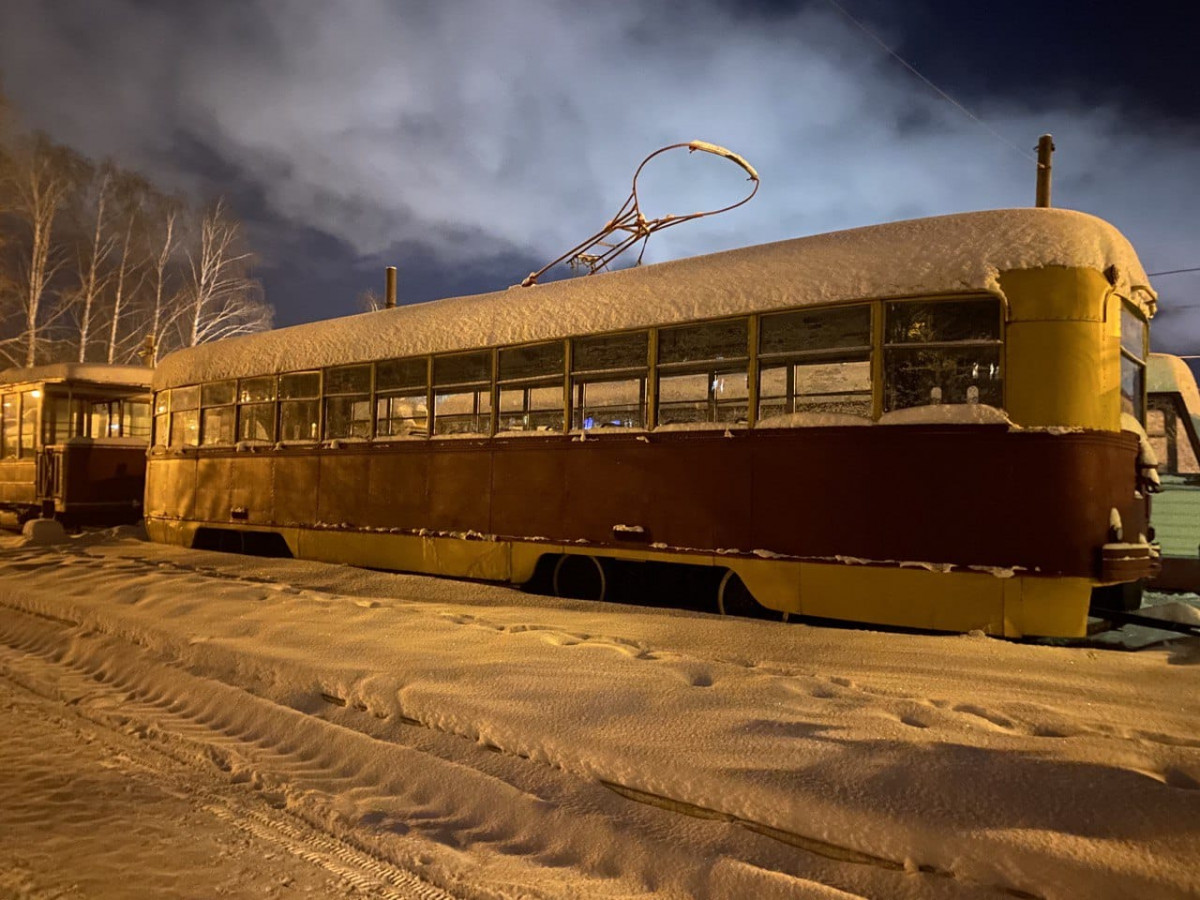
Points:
x=934 y=423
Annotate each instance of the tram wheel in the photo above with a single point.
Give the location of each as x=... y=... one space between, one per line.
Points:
x=580 y=578
x=735 y=599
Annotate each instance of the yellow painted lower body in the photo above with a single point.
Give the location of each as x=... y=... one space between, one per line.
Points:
x=911 y=597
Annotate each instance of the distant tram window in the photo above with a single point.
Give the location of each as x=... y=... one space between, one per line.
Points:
x=135 y=419
x=299 y=406
x=531 y=388
x=256 y=410
x=10 y=442
x=348 y=402
x=402 y=398
x=815 y=362
x=703 y=373
x=1133 y=363
x=462 y=401
x=218 y=415
x=185 y=417
x=942 y=352
x=30 y=400
x=608 y=381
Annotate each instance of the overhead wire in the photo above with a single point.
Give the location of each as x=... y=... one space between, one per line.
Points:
x=869 y=33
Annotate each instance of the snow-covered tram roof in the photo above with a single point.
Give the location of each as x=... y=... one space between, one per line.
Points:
x=88 y=373
x=943 y=254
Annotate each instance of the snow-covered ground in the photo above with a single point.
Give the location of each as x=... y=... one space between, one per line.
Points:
x=186 y=724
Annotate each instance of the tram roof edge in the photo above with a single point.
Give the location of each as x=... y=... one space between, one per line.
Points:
x=93 y=373
x=942 y=254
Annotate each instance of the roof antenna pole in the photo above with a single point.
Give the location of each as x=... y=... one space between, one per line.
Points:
x=389 y=301
x=1045 y=148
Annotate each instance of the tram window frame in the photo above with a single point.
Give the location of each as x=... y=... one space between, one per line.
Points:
x=30 y=416
x=257 y=409
x=530 y=394
x=10 y=425
x=717 y=351
x=133 y=424
x=402 y=384
x=608 y=360
x=185 y=417
x=162 y=419
x=912 y=351
x=218 y=413
x=348 y=411
x=1133 y=363
x=462 y=394
x=807 y=342
x=300 y=405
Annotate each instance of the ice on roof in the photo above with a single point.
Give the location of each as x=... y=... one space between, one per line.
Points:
x=943 y=254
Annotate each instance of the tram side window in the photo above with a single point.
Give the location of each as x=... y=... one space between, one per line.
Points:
x=300 y=406
x=815 y=362
x=256 y=410
x=462 y=393
x=105 y=416
x=10 y=426
x=402 y=398
x=30 y=401
x=135 y=419
x=348 y=402
x=185 y=417
x=703 y=373
x=1133 y=363
x=218 y=414
x=162 y=418
x=531 y=388
x=608 y=381
x=946 y=351
x=63 y=419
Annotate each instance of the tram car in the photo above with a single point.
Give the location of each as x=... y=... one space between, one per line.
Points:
x=933 y=424
x=1173 y=424
x=73 y=440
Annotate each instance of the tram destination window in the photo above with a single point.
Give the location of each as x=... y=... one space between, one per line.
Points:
x=531 y=388
x=402 y=398
x=815 y=363
x=256 y=410
x=608 y=381
x=703 y=373
x=462 y=389
x=942 y=352
x=300 y=406
x=348 y=402
x=1133 y=363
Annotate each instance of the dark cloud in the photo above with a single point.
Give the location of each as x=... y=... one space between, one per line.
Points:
x=468 y=143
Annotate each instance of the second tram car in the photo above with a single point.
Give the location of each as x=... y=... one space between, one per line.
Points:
x=73 y=439
x=1173 y=423
x=935 y=423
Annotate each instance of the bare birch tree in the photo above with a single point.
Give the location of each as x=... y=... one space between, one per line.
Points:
x=130 y=268
x=164 y=308
x=222 y=299
x=93 y=258
x=42 y=178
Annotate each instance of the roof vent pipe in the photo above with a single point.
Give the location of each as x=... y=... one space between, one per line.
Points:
x=1045 y=147
x=389 y=301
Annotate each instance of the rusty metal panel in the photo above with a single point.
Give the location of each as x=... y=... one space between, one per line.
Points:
x=342 y=487
x=529 y=480
x=213 y=478
x=459 y=486
x=251 y=495
x=297 y=476
x=396 y=495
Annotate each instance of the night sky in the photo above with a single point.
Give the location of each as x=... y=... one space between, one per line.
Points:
x=469 y=142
